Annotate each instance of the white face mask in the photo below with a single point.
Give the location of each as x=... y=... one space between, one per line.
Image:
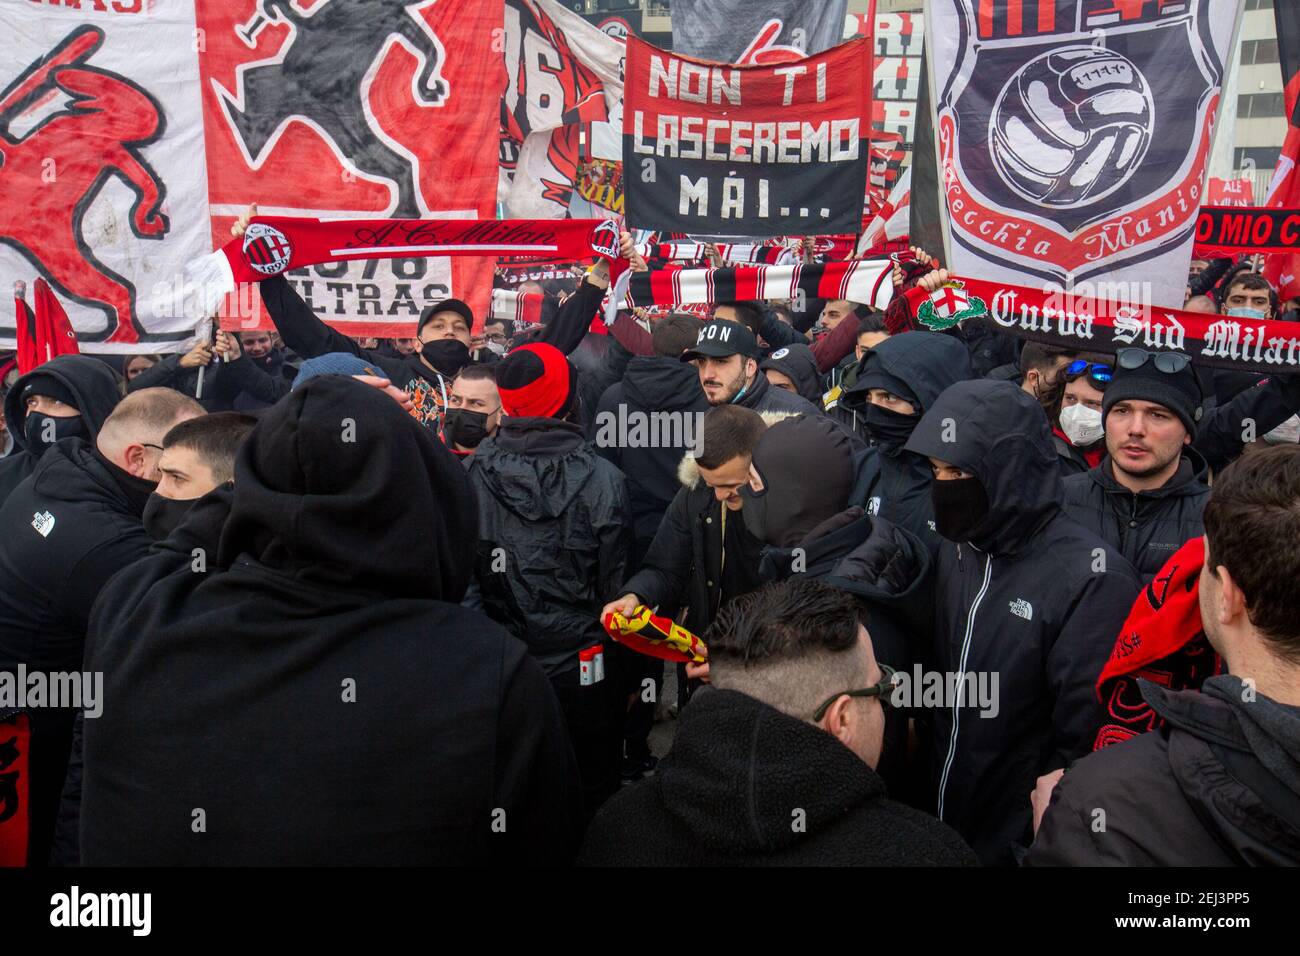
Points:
x=1082 y=425
x=1288 y=431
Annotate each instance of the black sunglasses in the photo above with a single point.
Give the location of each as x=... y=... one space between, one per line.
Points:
x=884 y=690
x=1171 y=363
x=1100 y=375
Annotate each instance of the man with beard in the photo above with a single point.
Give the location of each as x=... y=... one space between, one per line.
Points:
x=1021 y=592
x=726 y=355
x=896 y=383
x=68 y=528
x=317 y=689
x=66 y=397
x=1217 y=784
x=1146 y=496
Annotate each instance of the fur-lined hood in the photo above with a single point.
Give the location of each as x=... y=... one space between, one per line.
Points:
x=688 y=473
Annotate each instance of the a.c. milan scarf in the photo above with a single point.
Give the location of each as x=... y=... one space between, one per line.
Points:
x=857 y=281
x=729 y=252
x=273 y=245
x=1099 y=324
x=1162 y=641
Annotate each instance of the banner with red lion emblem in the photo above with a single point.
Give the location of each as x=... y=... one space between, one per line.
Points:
x=103 y=189
x=1073 y=135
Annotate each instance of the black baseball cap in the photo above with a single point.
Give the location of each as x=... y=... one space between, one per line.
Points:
x=720 y=338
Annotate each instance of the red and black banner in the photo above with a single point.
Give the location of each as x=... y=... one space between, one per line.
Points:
x=753 y=150
x=1241 y=230
x=1087 y=318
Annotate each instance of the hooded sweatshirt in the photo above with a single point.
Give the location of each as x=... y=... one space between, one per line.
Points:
x=1032 y=598
x=644 y=425
x=559 y=516
x=723 y=795
x=68 y=529
x=799 y=365
x=916 y=366
x=1218 y=785
x=317 y=689
x=89 y=380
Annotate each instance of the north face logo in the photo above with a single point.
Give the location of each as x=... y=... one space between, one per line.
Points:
x=1022 y=608
x=873 y=505
x=43 y=522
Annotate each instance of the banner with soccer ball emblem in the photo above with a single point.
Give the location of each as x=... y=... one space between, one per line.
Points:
x=1073 y=136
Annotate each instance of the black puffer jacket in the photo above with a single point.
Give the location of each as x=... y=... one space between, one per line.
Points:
x=88 y=379
x=1033 y=599
x=1219 y=785
x=651 y=387
x=762 y=397
x=317 y=690
x=1146 y=527
x=927 y=363
x=724 y=796
x=559 y=515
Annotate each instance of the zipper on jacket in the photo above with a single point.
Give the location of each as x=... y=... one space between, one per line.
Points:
x=957 y=704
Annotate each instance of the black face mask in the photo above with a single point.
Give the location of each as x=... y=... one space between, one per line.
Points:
x=448 y=356
x=464 y=427
x=888 y=429
x=162 y=515
x=35 y=429
x=960 y=506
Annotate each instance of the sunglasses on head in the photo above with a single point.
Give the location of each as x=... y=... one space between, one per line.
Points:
x=1099 y=374
x=884 y=690
x=1171 y=363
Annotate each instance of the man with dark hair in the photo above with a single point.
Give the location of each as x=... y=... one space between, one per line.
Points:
x=322 y=653
x=726 y=356
x=748 y=314
x=197 y=456
x=1250 y=295
x=68 y=396
x=702 y=556
x=68 y=528
x=473 y=409
x=1023 y=592
x=554 y=541
x=1217 y=784
x=1145 y=497
x=775 y=764
x=1040 y=368
x=842 y=378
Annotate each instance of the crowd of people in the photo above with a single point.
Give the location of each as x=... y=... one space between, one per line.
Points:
x=348 y=598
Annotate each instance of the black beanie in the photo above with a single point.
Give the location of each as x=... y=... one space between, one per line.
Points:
x=791 y=504
x=446 y=305
x=1177 y=391
x=49 y=387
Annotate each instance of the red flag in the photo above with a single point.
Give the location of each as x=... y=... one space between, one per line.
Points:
x=1283 y=271
x=26 y=323
x=54 y=335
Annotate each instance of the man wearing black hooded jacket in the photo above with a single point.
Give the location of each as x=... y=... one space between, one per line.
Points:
x=895 y=384
x=68 y=396
x=64 y=532
x=315 y=686
x=1022 y=593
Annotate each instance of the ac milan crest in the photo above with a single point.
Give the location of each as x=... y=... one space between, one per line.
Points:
x=1074 y=133
x=605 y=239
x=267 y=249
